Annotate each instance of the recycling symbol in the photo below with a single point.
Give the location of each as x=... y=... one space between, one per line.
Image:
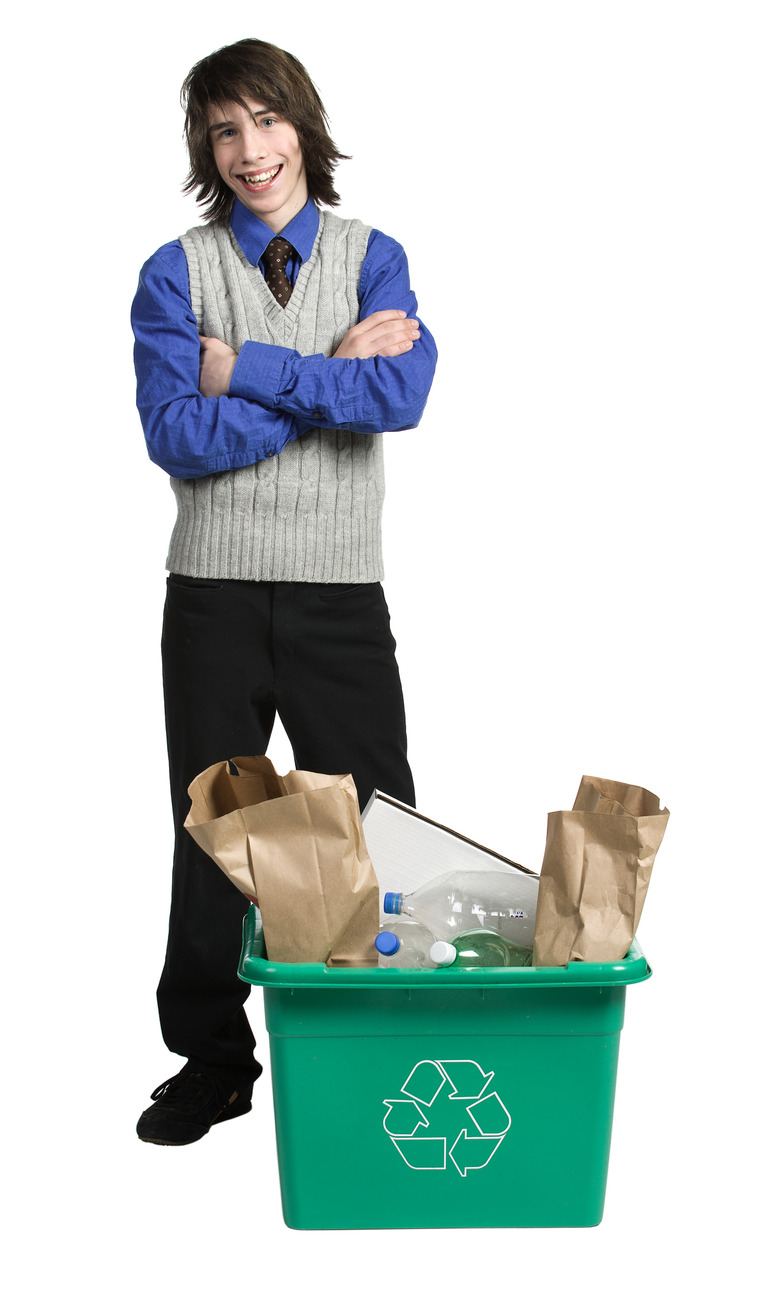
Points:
x=468 y=1117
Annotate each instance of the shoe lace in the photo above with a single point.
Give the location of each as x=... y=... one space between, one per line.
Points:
x=192 y=1090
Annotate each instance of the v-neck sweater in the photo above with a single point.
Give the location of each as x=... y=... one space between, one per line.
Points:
x=313 y=512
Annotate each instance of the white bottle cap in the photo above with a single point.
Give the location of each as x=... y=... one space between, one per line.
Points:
x=443 y=953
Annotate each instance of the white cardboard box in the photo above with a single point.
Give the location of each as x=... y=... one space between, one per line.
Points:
x=407 y=850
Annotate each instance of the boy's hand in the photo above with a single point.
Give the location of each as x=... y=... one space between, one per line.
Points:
x=217 y=362
x=387 y=332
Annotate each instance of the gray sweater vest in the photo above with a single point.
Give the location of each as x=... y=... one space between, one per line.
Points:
x=313 y=512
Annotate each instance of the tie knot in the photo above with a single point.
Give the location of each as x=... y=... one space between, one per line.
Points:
x=278 y=249
x=277 y=254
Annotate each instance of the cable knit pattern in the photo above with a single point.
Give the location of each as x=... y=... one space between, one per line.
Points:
x=313 y=512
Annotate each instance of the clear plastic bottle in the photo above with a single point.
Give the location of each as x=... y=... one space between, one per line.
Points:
x=500 y=901
x=405 y=945
x=480 y=949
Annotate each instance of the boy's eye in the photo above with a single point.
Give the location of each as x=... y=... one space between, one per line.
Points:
x=268 y=122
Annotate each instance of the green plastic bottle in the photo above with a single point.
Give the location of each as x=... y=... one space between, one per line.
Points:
x=480 y=949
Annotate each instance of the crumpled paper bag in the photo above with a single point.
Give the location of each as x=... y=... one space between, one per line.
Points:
x=295 y=844
x=597 y=864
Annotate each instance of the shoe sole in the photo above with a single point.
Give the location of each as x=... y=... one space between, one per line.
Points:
x=223 y=1116
x=154 y=1140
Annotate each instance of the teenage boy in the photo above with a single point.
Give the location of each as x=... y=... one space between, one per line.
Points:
x=273 y=347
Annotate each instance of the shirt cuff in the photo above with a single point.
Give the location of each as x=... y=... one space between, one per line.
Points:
x=257 y=373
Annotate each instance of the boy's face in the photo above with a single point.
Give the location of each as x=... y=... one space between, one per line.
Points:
x=258 y=156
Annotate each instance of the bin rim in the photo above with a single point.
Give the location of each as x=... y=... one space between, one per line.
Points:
x=255 y=969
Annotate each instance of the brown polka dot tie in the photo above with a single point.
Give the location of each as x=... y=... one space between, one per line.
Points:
x=277 y=253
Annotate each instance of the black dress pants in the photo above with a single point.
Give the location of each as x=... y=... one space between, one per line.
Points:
x=234 y=655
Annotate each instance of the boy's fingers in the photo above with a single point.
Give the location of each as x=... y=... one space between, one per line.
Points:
x=379 y=318
x=399 y=330
x=387 y=337
x=382 y=315
x=386 y=332
x=390 y=351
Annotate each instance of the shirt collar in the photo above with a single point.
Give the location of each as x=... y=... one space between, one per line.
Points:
x=253 y=234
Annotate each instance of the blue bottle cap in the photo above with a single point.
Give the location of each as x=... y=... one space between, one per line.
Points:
x=393 y=902
x=387 y=943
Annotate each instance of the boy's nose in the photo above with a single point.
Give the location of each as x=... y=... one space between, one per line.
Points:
x=254 y=147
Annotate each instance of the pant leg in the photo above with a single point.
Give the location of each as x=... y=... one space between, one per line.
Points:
x=337 y=686
x=218 y=679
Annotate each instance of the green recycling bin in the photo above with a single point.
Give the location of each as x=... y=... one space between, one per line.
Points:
x=421 y=1098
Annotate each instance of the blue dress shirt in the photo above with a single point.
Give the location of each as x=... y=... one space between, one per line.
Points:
x=276 y=394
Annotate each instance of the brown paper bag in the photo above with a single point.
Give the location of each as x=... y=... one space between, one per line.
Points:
x=596 y=868
x=296 y=845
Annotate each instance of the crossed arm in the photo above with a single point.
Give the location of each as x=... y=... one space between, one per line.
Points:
x=385 y=333
x=205 y=409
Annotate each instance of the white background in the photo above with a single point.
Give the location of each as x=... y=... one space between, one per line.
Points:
x=580 y=546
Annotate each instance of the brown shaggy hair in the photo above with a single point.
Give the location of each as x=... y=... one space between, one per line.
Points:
x=254 y=70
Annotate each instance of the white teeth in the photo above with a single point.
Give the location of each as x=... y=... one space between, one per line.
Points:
x=254 y=179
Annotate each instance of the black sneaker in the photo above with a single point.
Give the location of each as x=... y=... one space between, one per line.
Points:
x=186 y=1106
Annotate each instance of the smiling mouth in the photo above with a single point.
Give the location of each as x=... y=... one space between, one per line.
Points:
x=256 y=181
